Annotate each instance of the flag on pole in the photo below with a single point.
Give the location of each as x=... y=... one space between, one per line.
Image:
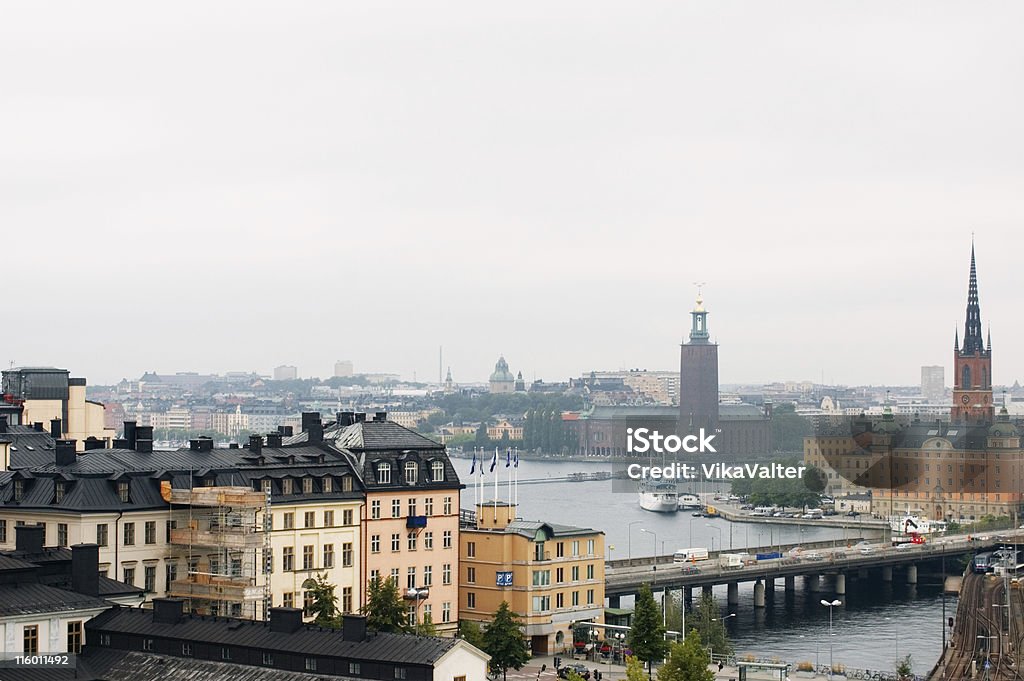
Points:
x=508 y=457
x=494 y=460
x=472 y=469
x=516 y=460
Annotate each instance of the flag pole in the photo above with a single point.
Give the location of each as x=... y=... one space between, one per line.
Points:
x=516 y=473
x=497 y=474
x=508 y=462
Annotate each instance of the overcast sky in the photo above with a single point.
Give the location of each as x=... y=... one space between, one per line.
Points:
x=232 y=186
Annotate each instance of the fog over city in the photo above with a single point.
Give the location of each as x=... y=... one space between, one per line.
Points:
x=234 y=186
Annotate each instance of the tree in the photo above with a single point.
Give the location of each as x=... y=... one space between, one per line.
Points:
x=647 y=636
x=482 y=440
x=469 y=631
x=384 y=608
x=707 y=620
x=325 y=603
x=635 y=669
x=687 y=661
x=905 y=667
x=789 y=429
x=504 y=642
x=426 y=626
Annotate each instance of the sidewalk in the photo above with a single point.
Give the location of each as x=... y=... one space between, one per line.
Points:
x=609 y=672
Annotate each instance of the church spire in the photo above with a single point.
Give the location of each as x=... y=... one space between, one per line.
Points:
x=973 y=342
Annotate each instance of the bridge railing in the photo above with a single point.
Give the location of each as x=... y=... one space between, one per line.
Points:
x=782 y=548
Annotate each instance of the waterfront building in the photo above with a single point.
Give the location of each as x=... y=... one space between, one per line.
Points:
x=551 y=575
x=506 y=426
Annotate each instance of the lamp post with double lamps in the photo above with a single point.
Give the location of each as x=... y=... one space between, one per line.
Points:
x=664 y=615
x=830 y=605
x=721 y=545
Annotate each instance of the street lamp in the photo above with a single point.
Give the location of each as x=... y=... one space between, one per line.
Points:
x=830 y=605
x=664 y=612
x=629 y=540
x=611 y=547
x=896 y=626
x=721 y=543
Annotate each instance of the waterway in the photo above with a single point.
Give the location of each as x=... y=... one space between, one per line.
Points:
x=876 y=623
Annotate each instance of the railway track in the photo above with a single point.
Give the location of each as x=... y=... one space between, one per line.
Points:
x=987 y=635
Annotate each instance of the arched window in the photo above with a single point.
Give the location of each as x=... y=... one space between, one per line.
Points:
x=410 y=472
x=965 y=380
x=384 y=473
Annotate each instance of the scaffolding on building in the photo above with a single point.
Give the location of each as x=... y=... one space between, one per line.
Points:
x=225 y=544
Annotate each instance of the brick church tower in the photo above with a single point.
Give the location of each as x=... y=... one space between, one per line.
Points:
x=698 y=376
x=972 y=365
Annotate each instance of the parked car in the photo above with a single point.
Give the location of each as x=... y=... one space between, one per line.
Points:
x=867 y=550
x=563 y=672
x=690 y=570
x=852 y=513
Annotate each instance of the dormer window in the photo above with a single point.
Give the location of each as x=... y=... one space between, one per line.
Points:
x=410 y=472
x=437 y=471
x=328 y=485
x=286 y=485
x=307 y=485
x=268 y=486
x=122 y=491
x=346 y=483
x=19 y=490
x=384 y=473
x=59 y=488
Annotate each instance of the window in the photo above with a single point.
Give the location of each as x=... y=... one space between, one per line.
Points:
x=471 y=599
x=559 y=575
x=428 y=540
x=147 y=644
x=267 y=486
x=307 y=557
x=559 y=600
x=289 y=521
x=437 y=471
x=346 y=517
x=3 y=531
x=129 y=576
x=410 y=615
x=575 y=548
x=170 y=573
x=410 y=472
x=575 y=573
x=168 y=526
x=446 y=612
x=471 y=575
x=225 y=653
x=307 y=485
x=122 y=491
x=394 y=575
x=310 y=664
x=542 y=577
x=346 y=483
x=396 y=508
x=375 y=543
x=75 y=637
x=59 y=488
x=327 y=483
x=149 y=577
x=309 y=519
x=308 y=597
x=410 y=578
x=288 y=558
x=412 y=507
x=375 y=509
x=151 y=532
x=560 y=549
x=446 y=539
x=396 y=542
x=328 y=556
x=590 y=571
x=62 y=534
x=186 y=649
x=268 y=659
x=19 y=490
x=428 y=575
x=129 y=534
x=590 y=596
x=346 y=554
x=590 y=547
x=353 y=668
x=399 y=672
x=287 y=485
x=471 y=549
x=384 y=473
x=346 y=599
x=411 y=536
x=447 y=505
x=328 y=518
x=446 y=574
x=575 y=597
x=541 y=603
x=288 y=599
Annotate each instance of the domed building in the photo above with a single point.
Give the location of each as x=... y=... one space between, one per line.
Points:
x=502 y=381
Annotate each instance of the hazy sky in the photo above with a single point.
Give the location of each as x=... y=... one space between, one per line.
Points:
x=232 y=186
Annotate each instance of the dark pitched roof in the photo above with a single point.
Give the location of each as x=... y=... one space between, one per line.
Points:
x=529 y=529
x=310 y=640
x=22 y=599
x=383 y=435
x=117 y=665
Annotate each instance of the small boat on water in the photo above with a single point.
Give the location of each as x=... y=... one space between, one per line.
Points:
x=660 y=497
x=688 y=501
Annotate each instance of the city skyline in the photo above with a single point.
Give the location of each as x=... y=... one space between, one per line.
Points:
x=544 y=183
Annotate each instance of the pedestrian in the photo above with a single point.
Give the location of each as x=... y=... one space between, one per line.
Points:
x=721 y=665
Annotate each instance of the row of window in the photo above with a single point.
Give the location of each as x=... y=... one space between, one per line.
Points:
x=540 y=553
x=307 y=485
x=410 y=472
x=309 y=519
x=412 y=507
x=308 y=557
x=412 y=540
x=410 y=576
x=543 y=603
x=30 y=638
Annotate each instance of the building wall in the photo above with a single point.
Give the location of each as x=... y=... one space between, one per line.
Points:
x=51 y=629
x=385 y=561
x=698 y=386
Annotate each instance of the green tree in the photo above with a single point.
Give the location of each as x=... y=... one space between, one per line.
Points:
x=789 y=429
x=647 y=636
x=687 y=661
x=384 y=608
x=325 y=603
x=707 y=620
x=481 y=436
x=426 y=626
x=504 y=642
x=635 y=669
x=469 y=631
x=905 y=667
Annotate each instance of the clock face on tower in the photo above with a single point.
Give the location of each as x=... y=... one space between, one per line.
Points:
x=966 y=399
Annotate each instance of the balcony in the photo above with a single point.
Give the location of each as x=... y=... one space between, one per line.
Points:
x=415 y=522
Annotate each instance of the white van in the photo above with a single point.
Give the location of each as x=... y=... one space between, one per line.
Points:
x=688 y=555
x=732 y=561
x=814 y=514
x=763 y=511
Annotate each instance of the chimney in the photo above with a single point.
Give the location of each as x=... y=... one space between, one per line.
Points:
x=129 y=433
x=3 y=423
x=353 y=628
x=144 y=446
x=316 y=433
x=232 y=445
x=120 y=443
x=309 y=418
x=274 y=440
x=65 y=451
x=29 y=538
x=55 y=432
x=380 y=416
x=37 y=426
x=168 y=610
x=360 y=417
x=193 y=445
x=255 y=444
x=285 y=620
x=287 y=431
x=346 y=418
x=85 y=569
x=92 y=442
x=205 y=443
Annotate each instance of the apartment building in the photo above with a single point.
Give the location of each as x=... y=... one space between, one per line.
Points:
x=51 y=397
x=551 y=575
